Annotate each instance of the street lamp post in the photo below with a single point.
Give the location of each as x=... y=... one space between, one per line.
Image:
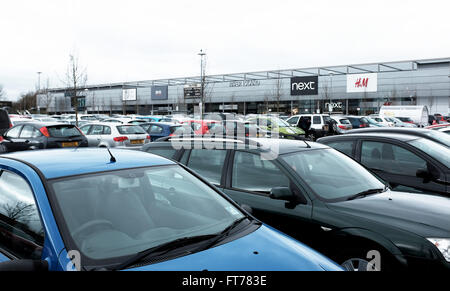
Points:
x=39 y=89
x=202 y=77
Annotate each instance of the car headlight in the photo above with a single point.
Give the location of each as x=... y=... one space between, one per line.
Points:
x=443 y=246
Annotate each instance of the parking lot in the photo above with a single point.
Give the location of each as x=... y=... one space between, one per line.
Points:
x=366 y=193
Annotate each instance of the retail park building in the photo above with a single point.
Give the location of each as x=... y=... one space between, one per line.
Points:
x=349 y=89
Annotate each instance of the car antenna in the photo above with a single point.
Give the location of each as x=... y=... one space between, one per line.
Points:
x=113 y=159
x=307 y=144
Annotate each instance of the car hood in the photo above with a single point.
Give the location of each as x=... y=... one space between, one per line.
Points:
x=424 y=215
x=265 y=249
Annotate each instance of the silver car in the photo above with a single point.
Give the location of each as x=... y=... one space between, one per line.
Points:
x=343 y=125
x=115 y=135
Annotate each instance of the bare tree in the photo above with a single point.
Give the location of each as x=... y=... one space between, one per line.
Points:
x=2 y=93
x=21 y=211
x=76 y=78
x=278 y=91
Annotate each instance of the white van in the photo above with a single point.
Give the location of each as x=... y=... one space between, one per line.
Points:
x=419 y=114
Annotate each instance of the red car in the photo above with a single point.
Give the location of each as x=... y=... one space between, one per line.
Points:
x=202 y=127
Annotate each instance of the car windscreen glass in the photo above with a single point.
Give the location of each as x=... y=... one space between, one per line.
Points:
x=332 y=175
x=437 y=135
x=121 y=213
x=63 y=131
x=439 y=152
x=130 y=129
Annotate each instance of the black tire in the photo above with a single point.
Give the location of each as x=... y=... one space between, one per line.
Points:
x=357 y=260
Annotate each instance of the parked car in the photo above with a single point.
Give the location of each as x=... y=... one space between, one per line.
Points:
x=374 y=123
x=419 y=132
x=134 y=211
x=409 y=163
x=418 y=114
x=358 y=121
x=202 y=127
x=341 y=125
x=407 y=120
x=237 y=128
x=5 y=122
x=115 y=135
x=384 y=121
x=158 y=130
x=36 y=135
x=320 y=125
x=325 y=199
x=398 y=123
x=275 y=124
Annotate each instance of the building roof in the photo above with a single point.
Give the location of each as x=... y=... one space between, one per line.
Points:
x=381 y=67
x=60 y=163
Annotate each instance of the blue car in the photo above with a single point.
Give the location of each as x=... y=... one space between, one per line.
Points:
x=158 y=130
x=95 y=209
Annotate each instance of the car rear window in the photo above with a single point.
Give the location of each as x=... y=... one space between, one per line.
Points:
x=63 y=131
x=180 y=130
x=130 y=129
x=344 y=121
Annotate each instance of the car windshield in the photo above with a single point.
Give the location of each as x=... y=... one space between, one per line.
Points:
x=63 y=131
x=434 y=149
x=130 y=129
x=121 y=213
x=440 y=136
x=331 y=175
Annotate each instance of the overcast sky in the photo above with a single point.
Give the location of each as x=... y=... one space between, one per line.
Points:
x=131 y=40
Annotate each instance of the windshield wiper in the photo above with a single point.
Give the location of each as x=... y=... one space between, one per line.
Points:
x=225 y=233
x=367 y=193
x=163 y=249
x=176 y=244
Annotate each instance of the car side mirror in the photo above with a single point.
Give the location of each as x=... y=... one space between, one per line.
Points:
x=281 y=193
x=24 y=266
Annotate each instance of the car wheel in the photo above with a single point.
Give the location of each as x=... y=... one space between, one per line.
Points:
x=357 y=265
x=364 y=260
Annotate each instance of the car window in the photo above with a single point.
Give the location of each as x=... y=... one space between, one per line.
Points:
x=141 y=209
x=293 y=120
x=251 y=173
x=130 y=129
x=330 y=174
x=345 y=147
x=21 y=230
x=85 y=129
x=154 y=129
x=390 y=158
x=317 y=120
x=96 y=130
x=106 y=130
x=27 y=132
x=163 y=152
x=196 y=126
x=63 y=131
x=208 y=164
x=14 y=132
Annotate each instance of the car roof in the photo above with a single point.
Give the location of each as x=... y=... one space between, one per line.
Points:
x=395 y=136
x=403 y=130
x=40 y=124
x=59 y=163
x=281 y=146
